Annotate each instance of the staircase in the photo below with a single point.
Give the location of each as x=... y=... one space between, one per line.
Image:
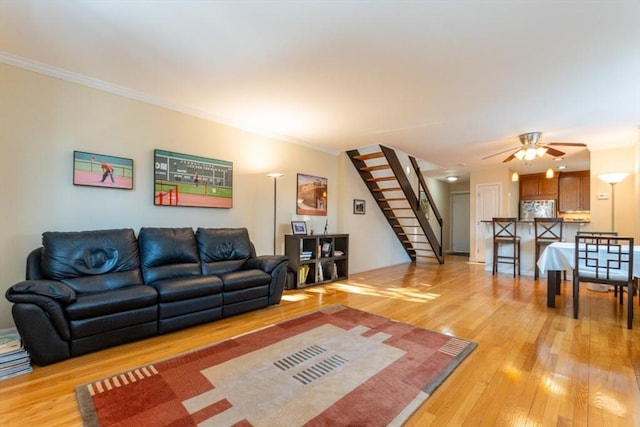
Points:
x=406 y=213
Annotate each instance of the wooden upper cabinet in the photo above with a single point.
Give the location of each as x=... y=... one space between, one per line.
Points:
x=574 y=192
x=538 y=187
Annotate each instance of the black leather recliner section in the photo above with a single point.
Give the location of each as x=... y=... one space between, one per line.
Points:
x=248 y=279
x=88 y=288
x=171 y=264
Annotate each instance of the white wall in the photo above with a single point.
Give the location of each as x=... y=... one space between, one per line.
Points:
x=44 y=119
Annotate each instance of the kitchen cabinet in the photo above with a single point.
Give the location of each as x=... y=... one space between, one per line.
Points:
x=538 y=187
x=574 y=192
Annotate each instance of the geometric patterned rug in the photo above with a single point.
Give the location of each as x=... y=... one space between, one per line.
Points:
x=335 y=366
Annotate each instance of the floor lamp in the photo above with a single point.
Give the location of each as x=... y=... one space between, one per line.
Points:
x=275 y=176
x=612 y=179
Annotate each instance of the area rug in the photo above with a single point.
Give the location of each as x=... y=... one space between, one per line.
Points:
x=336 y=366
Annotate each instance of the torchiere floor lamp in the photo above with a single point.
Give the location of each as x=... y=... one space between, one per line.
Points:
x=613 y=179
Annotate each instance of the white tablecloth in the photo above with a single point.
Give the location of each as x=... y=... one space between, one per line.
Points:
x=561 y=256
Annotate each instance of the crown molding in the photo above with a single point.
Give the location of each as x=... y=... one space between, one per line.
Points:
x=70 y=76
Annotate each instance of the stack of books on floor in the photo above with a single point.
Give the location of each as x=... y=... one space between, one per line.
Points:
x=14 y=359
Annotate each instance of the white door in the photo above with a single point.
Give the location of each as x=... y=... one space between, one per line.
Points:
x=460 y=225
x=488 y=206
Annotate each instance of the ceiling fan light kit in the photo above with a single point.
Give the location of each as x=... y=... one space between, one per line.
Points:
x=531 y=148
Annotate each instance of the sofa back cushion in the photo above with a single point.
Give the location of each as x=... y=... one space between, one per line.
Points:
x=168 y=253
x=223 y=249
x=91 y=261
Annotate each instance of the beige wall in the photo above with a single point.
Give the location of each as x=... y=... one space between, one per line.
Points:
x=45 y=119
x=508 y=206
x=619 y=159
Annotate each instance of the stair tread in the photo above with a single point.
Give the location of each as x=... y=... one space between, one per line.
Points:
x=375 y=155
x=375 y=168
x=387 y=189
x=382 y=178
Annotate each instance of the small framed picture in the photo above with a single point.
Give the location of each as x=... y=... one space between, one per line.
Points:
x=99 y=170
x=359 y=207
x=299 y=227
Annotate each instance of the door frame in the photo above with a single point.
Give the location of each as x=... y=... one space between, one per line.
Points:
x=452 y=222
x=481 y=189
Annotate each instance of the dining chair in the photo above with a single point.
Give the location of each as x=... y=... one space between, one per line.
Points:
x=548 y=230
x=600 y=234
x=597 y=233
x=605 y=260
x=505 y=233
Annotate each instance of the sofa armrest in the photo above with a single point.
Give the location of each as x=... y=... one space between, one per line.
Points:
x=266 y=263
x=50 y=296
x=53 y=289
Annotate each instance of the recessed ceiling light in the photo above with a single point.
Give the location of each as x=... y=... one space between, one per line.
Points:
x=557 y=159
x=562 y=167
x=452 y=178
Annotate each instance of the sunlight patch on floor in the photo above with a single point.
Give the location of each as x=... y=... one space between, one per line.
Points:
x=609 y=404
x=553 y=384
x=406 y=294
x=294 y=297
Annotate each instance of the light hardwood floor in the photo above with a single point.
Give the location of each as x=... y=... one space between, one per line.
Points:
x=534 y=366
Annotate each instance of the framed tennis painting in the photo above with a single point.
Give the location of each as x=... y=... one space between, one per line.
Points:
x=101 y=170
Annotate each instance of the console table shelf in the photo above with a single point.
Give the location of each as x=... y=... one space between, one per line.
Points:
x=316 y=259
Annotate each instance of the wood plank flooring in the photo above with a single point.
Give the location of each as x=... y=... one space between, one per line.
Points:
x=534 y=366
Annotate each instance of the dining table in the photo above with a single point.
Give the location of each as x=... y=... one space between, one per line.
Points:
x=560 y=256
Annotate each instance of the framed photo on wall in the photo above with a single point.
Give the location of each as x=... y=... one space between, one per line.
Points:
x=187 y=180
x=100 y=170
x=311 y=195
x=359 y=207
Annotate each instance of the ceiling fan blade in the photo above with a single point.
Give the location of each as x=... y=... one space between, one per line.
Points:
x=566 y=144
x=508 y=159
x=501 y=152
x=554 y=152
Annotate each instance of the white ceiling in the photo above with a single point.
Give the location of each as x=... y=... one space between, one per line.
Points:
x=447 y=81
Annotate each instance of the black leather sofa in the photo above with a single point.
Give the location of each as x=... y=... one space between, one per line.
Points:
x=89 y=290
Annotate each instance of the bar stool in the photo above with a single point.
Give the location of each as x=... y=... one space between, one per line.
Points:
x=505 y=234
x=548 y=230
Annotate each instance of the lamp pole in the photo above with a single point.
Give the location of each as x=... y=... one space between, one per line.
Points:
x=275 y=176
x=613 y=206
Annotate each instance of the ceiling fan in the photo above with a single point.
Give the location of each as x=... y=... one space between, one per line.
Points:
x=531 y=148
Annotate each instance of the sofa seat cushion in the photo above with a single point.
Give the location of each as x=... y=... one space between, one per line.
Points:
x=244 y=279
x=187 y=288
x=114 y=301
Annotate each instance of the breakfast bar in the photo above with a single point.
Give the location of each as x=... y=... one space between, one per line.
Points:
x=526 y=232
